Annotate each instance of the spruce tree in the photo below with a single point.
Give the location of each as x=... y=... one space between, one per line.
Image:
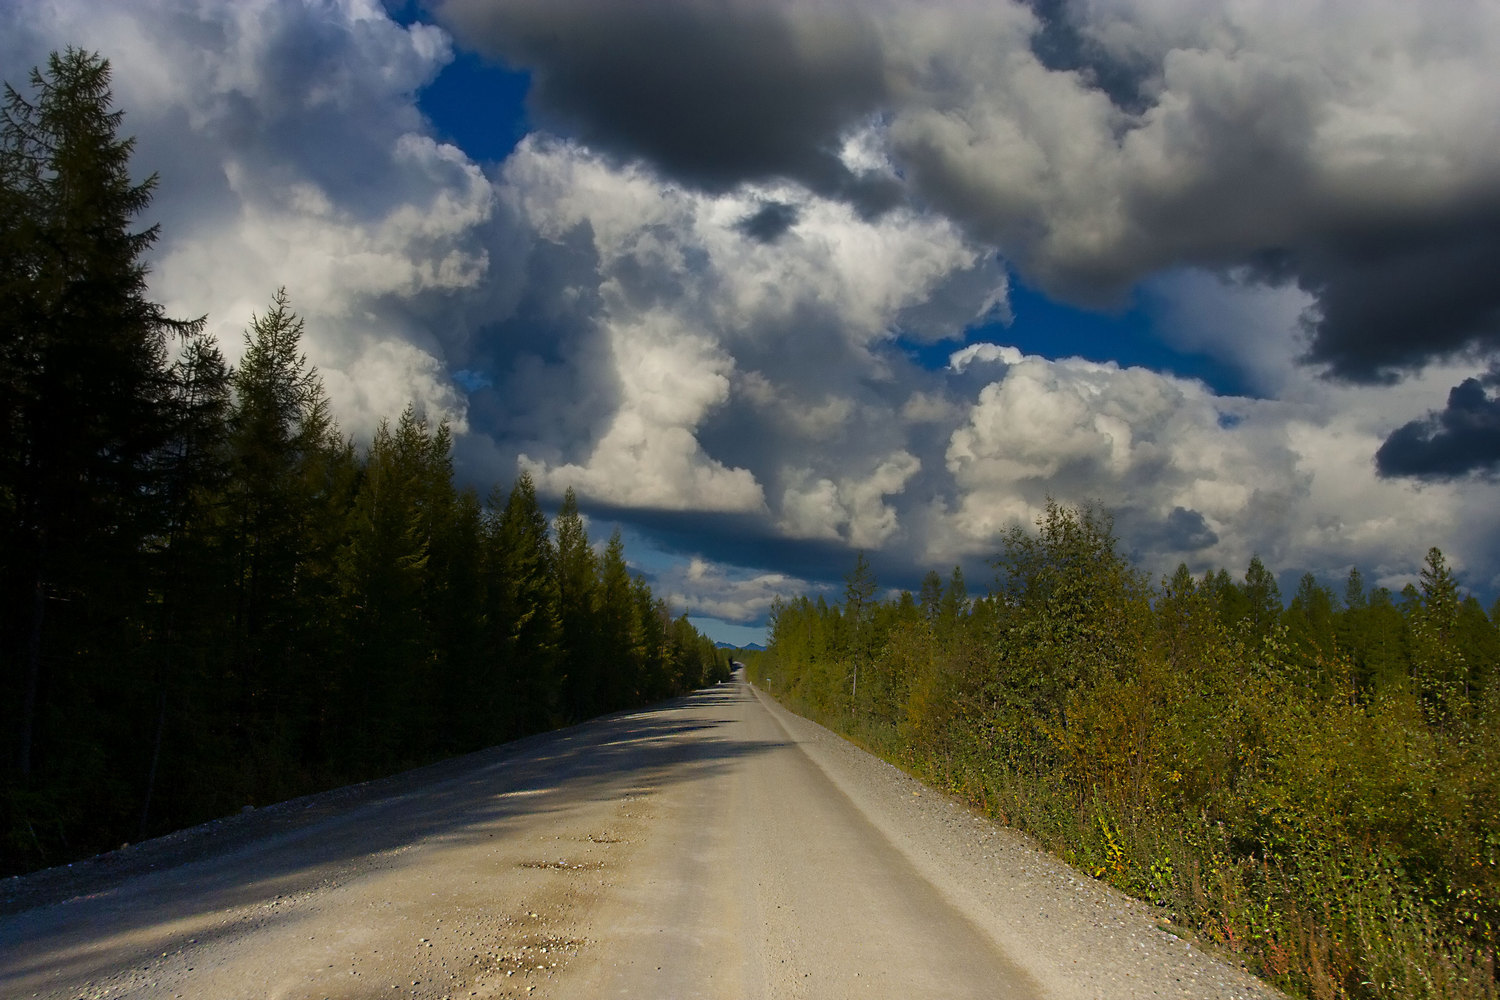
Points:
x=1310 y=617
x=619 y=628
x=383 y=569
x=1354 y=591
x=955 y=603
x=190 y=570
x=859 y=613
x=1439 y=673
x=85 y=375
x=577 y=583
x=525 y=684
x=931 y=596
x=1262 y=599
x=282 y=454
x=659 y=678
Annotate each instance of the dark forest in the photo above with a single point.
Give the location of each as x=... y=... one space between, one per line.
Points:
x=209 y=597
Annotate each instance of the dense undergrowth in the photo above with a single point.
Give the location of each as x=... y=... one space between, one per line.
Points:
x=1315 y=790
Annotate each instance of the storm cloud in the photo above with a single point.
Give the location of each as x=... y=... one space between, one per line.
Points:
x=1460 y=439
x=1345 y=148
x=714 y=93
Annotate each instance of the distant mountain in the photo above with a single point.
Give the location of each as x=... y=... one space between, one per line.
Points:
x=730 y=645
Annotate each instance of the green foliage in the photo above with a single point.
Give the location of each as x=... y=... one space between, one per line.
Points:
x=1315 y=791
x=1075 y=611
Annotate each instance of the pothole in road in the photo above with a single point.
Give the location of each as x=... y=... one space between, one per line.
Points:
x=606 y=838
x=527 y=957
x=564 y=866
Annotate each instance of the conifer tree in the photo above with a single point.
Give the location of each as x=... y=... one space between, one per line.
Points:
x=83 y=368
x=190 y=572
x=457 y=623
x=1372 y=632
x=1185 y=616
x=1310 y=617
x=383 y=571
x=577 y=583
x=1439 y=673
x=1384 y=644
x=859 y=594
x=1478 y=645
x=955 y=603
x=658 y=679
x=1262 y=599
x=931 y=596
x=617 y=626
x=281 y=444
x=682 y=640
x=523 y=627
x=1354 y=590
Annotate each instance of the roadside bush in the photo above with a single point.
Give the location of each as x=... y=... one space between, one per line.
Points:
x=1336 y=825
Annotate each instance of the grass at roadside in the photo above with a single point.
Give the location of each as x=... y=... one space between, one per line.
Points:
x=1319 y=923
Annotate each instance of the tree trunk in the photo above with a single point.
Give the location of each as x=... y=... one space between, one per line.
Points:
x=161 y=725
x=33 y=663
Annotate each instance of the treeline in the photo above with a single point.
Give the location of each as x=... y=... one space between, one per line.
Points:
x=208 y=596
x=1314 y=787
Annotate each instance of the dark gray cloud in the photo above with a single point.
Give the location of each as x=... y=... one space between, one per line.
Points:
x=547 y=350
x=1461 y=439
x=1060 y=44
x=713 y=93
x=768 y=224
x=1187 y=531
x=1390 y=298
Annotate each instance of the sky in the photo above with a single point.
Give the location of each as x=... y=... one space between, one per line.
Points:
x=773 y=282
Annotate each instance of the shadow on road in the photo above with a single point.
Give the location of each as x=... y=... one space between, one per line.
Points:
x=291 y=848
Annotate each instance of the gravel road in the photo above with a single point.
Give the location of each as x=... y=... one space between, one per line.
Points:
x=712 y=846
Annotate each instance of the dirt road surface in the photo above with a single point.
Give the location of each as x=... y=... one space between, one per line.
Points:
x=713 y=846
